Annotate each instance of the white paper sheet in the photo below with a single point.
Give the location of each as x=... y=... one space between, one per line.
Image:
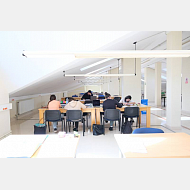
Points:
x=20 y=146
x=130 y=144
x=55 y=147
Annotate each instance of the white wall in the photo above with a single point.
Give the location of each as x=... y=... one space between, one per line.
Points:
x=149 y=84
x=39 y=101
x=186 y=87
x=4 y=115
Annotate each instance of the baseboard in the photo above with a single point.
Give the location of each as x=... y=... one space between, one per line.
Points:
x=9 y=133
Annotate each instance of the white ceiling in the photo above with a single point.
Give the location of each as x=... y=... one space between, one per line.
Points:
x=56 y=82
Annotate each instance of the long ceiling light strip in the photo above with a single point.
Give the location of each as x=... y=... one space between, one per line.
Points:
x=97 y=75
x=115 y=54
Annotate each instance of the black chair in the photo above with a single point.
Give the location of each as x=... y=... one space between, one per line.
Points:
x=53 y=116
x=117 y=98
x=131 y=112
x=74 y=116
x=112 y=115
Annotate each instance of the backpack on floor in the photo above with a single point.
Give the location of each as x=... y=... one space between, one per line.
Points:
x=127 y=128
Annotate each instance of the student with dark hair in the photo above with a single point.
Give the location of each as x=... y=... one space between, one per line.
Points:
x=87 y=95
x=74 y=105
x=110 y=104
x=53 y=104
x=127 y=101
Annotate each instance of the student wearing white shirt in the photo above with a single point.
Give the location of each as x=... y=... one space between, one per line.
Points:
x=127 y=101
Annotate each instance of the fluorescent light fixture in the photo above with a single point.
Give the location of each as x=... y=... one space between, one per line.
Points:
x=142 y=80
x=114 y=54
x=94 y=75
x=134 y=54
x=95 y=64
x=163 y=77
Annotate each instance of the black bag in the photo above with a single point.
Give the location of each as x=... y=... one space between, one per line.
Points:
x=98 y=129
x=40 y=128
x=127 y=128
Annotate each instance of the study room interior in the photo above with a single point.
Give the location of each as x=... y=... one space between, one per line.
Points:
x=120 y=94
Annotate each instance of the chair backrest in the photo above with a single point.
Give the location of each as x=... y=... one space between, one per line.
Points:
x=112 y=114
x=147 y=130
x=88 y=102
x=96 y=102
x=117 y=98
x=52 y=115
x=131 y=111
x=74 y=115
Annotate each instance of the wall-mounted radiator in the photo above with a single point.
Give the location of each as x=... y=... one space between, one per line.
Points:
x=24 y=106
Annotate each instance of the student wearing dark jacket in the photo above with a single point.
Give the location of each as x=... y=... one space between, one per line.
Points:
x=110 y=104
x=87 y=95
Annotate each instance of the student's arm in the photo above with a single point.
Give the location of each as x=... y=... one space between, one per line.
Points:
x=66 y=106
x=82 y=105
x=118 y=104
x=82 y=97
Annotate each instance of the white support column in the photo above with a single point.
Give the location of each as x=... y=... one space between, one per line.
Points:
x=173 y=92
x=131 y=85
x=149 y=84
x=113 y=83
x=158 y=68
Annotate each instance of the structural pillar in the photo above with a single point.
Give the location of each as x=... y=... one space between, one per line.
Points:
x=158 y=68
x=131 y=85
x=113 y=83
x=149 y=84
x=173 y=88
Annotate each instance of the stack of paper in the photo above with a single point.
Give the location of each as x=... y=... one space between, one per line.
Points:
x=55 y=147
x=130 y=144
x=20 y=146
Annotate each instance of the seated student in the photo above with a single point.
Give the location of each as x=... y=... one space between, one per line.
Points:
x=127 y=101
x=74 y=105
x=53 y=104
x=87 y=95
x=110 y=104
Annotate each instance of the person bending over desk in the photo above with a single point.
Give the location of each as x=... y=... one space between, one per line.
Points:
x=74 y=105
x=127 y=101
x=53 y=104
x=110 y=104
x=87 y=95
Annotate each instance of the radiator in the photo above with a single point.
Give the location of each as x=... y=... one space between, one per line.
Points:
x=24 y=106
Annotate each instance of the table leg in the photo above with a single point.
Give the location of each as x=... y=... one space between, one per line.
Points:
x=41 y=116
x=148 y=117
x=164 y=102
x=98 y=116
x=93 y=118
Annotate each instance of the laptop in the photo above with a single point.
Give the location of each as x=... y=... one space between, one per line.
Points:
x=93 y=98
x=96 y=103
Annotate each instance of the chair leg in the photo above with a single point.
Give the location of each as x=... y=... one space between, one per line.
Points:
x=119 y=124
x=87 y=121
x=139 y=121
x=48 y=126
x=66 y=126
x=83 y=127
x=62 y=125
x=69 y=126
x=104 y=125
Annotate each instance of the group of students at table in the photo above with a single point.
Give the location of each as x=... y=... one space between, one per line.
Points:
x=109 y=103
